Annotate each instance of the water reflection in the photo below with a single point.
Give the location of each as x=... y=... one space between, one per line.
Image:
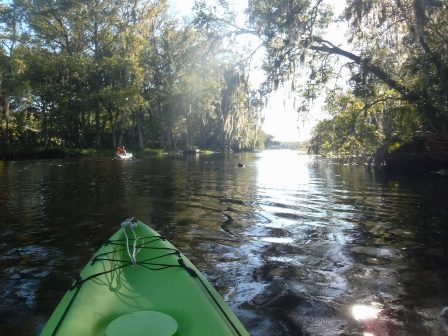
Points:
x=297 y=246
x=363 y=312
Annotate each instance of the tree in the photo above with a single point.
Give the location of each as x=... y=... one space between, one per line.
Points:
x=360 y=129
x=101 y=73
x=398 y=43
x=13 y=88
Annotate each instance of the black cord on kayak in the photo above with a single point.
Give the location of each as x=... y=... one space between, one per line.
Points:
x=189 y=269
x=96 y=258
x=144 y=263
x=219 y=306
x=148 y=264
x=158 y=237
x=194 y=274
x=77 y=287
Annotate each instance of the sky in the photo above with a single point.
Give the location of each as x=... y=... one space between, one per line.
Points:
x=280 y=117
x=181 y=7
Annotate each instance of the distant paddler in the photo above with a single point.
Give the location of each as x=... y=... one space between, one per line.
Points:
x=122 y=154
x=121 y=150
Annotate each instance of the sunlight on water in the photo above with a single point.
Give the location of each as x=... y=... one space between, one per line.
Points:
x=283 y=169
x=363 y=312
x=290 y=241
x=278 y=240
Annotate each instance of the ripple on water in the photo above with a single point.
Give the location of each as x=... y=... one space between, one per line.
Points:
x=292 y=242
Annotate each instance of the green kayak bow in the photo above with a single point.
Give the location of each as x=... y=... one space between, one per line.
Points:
x=139 y=284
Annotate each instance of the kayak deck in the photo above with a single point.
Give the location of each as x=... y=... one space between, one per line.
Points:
x=162 y=280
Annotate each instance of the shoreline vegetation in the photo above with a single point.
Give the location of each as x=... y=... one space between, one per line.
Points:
x=415 y=156
x=421 y=153
x=76 y=75
x=93 y=152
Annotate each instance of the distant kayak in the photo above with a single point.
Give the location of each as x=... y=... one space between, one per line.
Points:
x=191 y=151
x=139 y=284
x=126 y=156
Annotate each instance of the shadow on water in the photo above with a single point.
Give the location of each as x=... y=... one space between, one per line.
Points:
x=297 y=246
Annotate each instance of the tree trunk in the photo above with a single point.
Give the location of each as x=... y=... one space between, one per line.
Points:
x=169 y=142
x=120 y=134
x=114 y=135
x=115 y=123
x=254 y=145
x=45 y=124
x=140 y=142
x=97 y=128
x=4 y=104
x=150 y=128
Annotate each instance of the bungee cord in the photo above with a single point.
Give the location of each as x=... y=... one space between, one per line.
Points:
x=132 y=224
x=132 y=250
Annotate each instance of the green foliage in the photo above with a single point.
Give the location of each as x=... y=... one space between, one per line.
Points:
x=101 y=73
x=82 y=74
x=396 y=61
x=360 y=128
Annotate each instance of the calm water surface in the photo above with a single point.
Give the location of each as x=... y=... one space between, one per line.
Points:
x=297 y=246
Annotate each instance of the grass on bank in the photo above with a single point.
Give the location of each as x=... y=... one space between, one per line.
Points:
x=145 y=153
x=58 y=153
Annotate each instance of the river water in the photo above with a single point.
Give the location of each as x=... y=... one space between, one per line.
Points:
x=296 y=245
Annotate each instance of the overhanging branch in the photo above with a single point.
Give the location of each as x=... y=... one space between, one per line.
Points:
x=328 y=47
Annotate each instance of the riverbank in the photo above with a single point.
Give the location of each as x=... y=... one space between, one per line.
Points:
x=396 y=162
x=92 y=152
x=424 y=153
